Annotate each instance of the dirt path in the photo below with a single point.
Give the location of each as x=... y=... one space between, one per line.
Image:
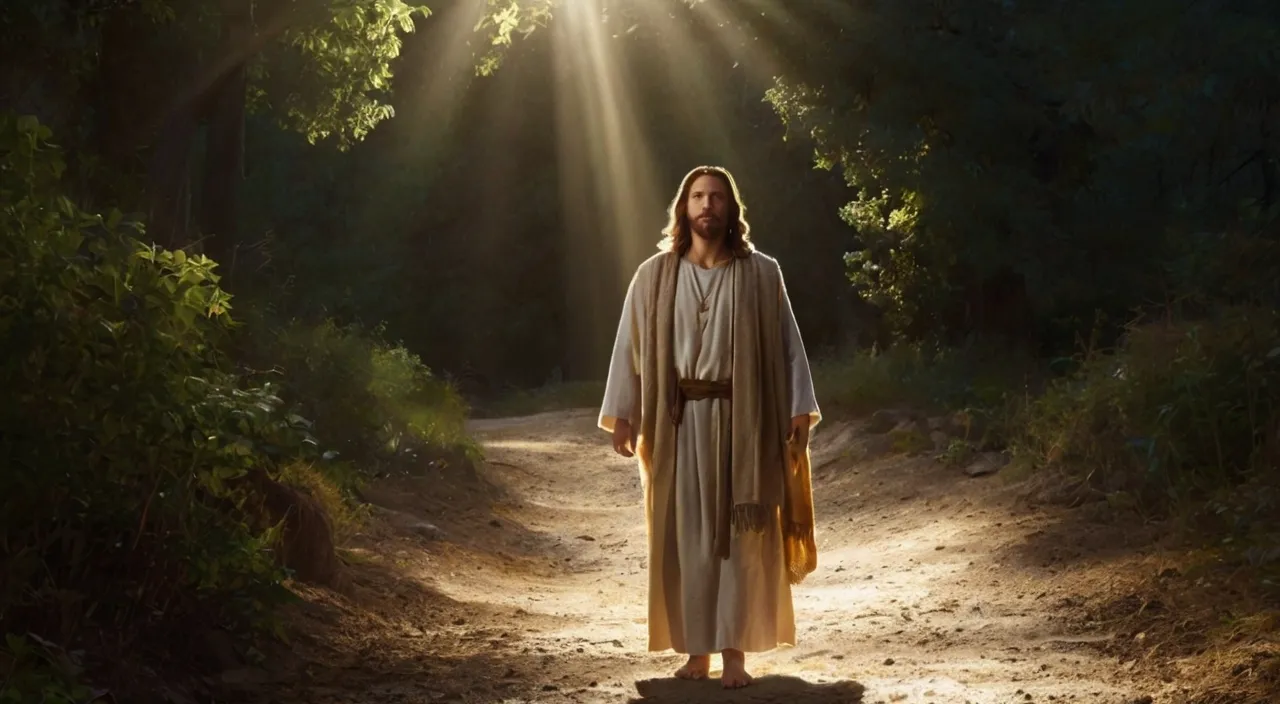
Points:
x=526 y=583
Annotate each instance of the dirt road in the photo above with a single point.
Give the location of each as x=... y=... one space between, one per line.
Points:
x=525 y=582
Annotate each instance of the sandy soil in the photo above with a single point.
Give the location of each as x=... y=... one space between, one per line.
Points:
x=525 y=582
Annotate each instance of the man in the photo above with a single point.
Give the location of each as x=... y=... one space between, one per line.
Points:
x=710 y=386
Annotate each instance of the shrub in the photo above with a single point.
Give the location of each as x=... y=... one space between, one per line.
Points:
x=371 y=401
x=979 y=378
x=329 y=483
x=37 y=670
x=1180 y=411
x=127 y=441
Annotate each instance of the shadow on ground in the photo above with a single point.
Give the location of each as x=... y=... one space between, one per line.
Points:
x=1068 y=535
x=770 y=688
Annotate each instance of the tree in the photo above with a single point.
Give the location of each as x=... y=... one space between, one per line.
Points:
x=172 y=123
x=1055 y=153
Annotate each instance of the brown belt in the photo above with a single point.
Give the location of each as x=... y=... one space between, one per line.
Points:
x=697 y=390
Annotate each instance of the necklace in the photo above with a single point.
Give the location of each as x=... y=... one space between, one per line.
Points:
x=704 y=298
x=704 y=307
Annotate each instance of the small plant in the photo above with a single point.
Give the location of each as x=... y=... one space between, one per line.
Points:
x=33 y=669
x=910 y=441
x=330 y=483
x=958 y=453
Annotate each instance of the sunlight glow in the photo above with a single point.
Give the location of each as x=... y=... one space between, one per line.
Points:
x=708 y=60
x=609 y=187
x=547 y=447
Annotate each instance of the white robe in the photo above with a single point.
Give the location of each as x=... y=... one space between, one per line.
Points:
x=743 y=603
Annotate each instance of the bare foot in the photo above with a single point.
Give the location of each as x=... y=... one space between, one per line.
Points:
x=696 y=669
x=735 y=670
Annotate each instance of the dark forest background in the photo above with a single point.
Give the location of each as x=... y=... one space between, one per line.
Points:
x=253 y=247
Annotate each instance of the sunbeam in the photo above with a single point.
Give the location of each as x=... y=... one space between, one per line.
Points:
x=609 y=190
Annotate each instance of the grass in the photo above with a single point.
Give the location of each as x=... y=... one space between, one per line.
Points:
x=986 y=382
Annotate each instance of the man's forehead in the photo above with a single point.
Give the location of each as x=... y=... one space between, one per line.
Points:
x=708 y=183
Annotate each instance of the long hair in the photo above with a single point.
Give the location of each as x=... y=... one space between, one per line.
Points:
x=678 y=235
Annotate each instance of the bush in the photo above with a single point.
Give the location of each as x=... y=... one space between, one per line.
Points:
x=979 y=378
x=371 y=401
x=128 y=443
x=1180 y=412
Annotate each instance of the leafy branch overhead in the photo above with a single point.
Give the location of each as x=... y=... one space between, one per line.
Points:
x=1071 y=147
x=332 y=78
x=504 y=20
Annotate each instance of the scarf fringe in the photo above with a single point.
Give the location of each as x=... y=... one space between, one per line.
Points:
x=755 y=518
x=750 y=517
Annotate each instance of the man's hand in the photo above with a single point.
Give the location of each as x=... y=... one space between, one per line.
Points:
x=622 y=439
x=799 y=431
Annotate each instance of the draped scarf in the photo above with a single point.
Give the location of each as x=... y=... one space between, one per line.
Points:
x=766 y=476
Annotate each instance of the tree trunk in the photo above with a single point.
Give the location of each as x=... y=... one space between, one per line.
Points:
x=119 y=92
x=168 y=180
x=224 y=160
x=178 y=122
x=280 y=16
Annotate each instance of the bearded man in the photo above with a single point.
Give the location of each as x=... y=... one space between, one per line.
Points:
x=710 y=387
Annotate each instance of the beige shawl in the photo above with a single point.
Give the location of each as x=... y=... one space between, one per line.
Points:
x=767 y=475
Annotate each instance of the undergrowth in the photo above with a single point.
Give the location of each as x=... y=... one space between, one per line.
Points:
x=138 y=437
x=982 y=382
x=374 y=402
x=543 y=399
x=1180 y=422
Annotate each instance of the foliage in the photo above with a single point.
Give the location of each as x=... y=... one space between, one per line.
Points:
x=40 y=670
x=978 y=377
x=371 y=400
x=332 y=484
x=1178 y=411
x=504 y=20
x=331 y=78
x=1071 y=147
x=129 y=444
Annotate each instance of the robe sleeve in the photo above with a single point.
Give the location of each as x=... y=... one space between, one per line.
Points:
x=804 y=400
x=622 y=387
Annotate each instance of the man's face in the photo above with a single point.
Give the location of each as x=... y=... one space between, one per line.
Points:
x=708 y=207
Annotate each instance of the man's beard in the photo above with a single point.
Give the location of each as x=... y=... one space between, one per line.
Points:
x=709 y=229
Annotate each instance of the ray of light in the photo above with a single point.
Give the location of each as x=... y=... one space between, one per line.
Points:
x=609 y=192
x=614 y=186
x=694 y=105
x=437 y=100
x=426 y=112
x=774 y=31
